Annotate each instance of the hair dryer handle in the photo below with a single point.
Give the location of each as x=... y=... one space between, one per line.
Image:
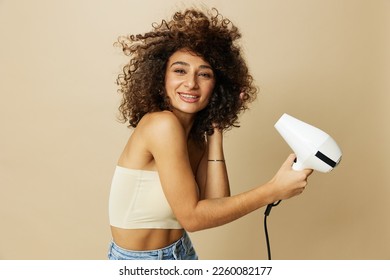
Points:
x=298 y=165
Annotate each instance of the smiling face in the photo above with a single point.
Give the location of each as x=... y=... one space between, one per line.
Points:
x=189 y=82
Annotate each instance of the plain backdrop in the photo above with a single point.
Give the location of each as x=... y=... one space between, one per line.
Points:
x=325 y=62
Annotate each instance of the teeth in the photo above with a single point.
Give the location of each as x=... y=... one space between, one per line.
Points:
x=189 y=96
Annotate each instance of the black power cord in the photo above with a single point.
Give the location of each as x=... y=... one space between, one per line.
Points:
x=266 y=214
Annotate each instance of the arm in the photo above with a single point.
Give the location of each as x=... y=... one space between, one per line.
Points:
x=212 y=176
x=166 y=140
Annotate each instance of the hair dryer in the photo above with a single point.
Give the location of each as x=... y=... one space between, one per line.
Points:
x=314 y=148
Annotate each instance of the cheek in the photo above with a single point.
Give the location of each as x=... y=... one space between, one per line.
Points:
x=168 y=85
x=171 y=82
x=210 y=89
x=209 y=95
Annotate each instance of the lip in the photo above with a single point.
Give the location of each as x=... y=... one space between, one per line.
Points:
x=188 y=97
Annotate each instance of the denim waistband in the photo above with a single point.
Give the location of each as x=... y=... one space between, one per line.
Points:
x=181 y=249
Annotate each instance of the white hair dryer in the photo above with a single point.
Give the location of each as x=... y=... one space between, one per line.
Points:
x=314 y=148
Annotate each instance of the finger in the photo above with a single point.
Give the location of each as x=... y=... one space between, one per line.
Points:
x=290 y=160
x=308 y=172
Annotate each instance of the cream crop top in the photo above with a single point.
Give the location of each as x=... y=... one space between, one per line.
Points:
x=138 y=201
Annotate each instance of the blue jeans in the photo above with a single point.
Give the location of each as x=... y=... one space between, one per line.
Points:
x=180 y=250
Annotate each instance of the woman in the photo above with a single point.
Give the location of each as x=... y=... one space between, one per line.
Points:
x=185 y=84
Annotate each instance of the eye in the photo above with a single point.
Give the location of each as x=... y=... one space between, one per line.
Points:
x=206 y=75
x=179 y=71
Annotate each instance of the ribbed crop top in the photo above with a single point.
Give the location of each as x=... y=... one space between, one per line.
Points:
x=138 y=201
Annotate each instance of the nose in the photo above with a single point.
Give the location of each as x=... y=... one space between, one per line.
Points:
x=191 y=82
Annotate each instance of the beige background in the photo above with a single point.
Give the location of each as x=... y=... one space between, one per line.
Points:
x=325 y=62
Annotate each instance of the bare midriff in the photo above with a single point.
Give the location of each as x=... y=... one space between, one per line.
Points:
x=145 y=239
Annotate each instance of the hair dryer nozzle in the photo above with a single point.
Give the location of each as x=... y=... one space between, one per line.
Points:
x=314 y=148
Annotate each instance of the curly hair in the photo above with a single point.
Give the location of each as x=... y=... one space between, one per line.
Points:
x=209 y=35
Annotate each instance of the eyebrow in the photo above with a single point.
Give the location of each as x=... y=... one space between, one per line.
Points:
x=203 y=66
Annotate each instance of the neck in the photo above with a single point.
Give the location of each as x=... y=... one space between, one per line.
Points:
x=187 y=120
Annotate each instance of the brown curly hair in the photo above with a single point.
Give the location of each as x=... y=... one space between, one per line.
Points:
x=210 y=36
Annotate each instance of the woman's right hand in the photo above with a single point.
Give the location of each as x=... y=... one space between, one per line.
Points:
x=287 y=182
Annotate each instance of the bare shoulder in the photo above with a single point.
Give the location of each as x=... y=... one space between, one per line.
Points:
x=160 y=126
x=157 y=119
x=153 y=134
